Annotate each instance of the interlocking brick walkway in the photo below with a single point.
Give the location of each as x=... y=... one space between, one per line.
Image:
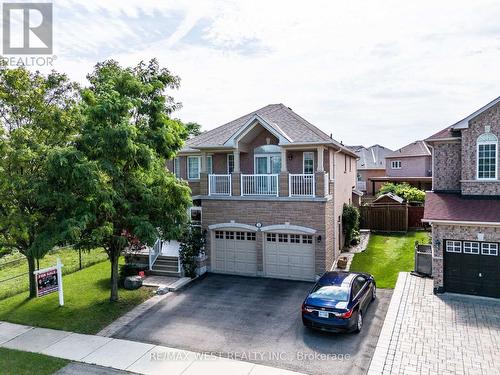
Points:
x=445 y=334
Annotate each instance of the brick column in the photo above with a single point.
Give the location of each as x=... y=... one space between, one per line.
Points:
x=320 y=183
x=235 y=183
x=283 y=184
x=203 y=183
x=259 y=237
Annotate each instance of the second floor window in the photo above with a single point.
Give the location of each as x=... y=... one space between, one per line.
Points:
x=308 y=162
x=487 y=157
x=193 y=167
x=210 y=168
x=177 y=167
x=230 y=163
x=396 y=164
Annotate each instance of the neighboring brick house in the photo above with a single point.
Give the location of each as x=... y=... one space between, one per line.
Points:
x=270 y=188
x=464 y=205
x=410 y=164
x=371 y=163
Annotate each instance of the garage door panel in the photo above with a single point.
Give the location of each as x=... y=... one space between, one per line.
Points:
x=289 y=260
x=477 y=273
x=235 y=254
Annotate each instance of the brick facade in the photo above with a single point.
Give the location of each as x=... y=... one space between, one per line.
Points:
x=311 y=214
x=442 y=232
x=477 y=125
x=447 y=166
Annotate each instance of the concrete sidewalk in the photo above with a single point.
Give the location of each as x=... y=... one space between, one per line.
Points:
x=123 y=354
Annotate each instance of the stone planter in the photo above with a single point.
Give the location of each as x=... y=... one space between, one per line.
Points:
x=342 y=263
x=132 y=282
x=201 y=264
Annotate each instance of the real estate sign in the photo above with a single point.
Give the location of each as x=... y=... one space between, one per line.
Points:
x=49 y=280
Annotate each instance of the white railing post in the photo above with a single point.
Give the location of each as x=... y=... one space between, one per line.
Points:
x=210 y=184
x=313 y=185
x=230 y=185
x=290 y=185
x=242 y=188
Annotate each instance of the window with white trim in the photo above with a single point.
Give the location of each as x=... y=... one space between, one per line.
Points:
x=210 y=168
x=230 y=163
x=193 y=167
x=271 y=237
x=308 y=163
x=240 y=236
x=453 y=246
x=489 y=248
x=282 y=237
x=306 y=238
x=219 y=234
x=295 y=238
x=195 y=215
x=177 y=167
x=396 y=164
x=229 y=235
x=487 y=157
x=250 y=236
x=471 y=247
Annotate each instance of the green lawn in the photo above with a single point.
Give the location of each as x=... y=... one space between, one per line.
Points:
x=69 y=258
x=87 y=308
x=387 y=255
x=13 y=362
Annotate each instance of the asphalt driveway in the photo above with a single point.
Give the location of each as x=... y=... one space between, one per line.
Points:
x=256 y=320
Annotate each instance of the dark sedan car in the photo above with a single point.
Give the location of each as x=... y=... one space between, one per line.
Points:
x=338 y=301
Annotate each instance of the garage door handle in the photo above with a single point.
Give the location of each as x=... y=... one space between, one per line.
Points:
x=480 y=274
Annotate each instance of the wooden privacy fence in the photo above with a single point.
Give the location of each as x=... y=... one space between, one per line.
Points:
x=391 y=217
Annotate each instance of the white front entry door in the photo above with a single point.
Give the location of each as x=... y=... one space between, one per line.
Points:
x=289 y=256
x=235 y=252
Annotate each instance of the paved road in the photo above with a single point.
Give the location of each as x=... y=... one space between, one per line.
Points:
x=256 y=320
x=433 y=334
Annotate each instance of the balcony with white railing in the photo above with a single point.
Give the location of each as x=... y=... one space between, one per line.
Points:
x=259 y=184
x=301 y=185
x=219 y=184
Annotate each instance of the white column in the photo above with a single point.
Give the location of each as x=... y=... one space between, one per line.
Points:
x=320 y=153
x=203 y=166
x=236 y=154
x=283 y=160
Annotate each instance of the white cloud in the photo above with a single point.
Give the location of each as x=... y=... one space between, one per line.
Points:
x=385 y=72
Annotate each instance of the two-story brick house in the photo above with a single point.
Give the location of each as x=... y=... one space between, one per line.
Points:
x=269 y=188
x=464 y=205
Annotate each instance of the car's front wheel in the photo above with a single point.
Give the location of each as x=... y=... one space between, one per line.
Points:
x=359 y=322
x=374 y=292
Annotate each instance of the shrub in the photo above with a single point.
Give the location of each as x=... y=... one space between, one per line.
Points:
x=407 y=192
x=192 y=243
x=350 y=222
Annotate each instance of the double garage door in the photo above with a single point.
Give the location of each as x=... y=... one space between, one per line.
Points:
x=285 y=256
x=472 y=267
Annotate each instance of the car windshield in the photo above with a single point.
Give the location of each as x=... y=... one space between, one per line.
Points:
x=333 y=292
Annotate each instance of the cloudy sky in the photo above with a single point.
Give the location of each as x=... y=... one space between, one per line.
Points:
x=378 y=71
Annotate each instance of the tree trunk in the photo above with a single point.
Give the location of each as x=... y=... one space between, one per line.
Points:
x=113 y=257
x=31 y=276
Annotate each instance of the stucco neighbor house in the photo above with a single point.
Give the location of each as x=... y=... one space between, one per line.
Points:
x=371 y=163
x=463 y=207
x=410 y=164
x=269 y=188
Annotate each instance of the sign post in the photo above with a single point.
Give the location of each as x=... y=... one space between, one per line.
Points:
x=49 y=280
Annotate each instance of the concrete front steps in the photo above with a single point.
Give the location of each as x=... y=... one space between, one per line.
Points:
x=166 y=266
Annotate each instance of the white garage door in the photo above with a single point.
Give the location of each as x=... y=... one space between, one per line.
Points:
x=289 y=256
x=235 y=252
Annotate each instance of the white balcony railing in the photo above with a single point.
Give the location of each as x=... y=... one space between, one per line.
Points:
x=219 y=184
x=259 y=184
x=154 y=252
x=301 y=185
x=361 y=185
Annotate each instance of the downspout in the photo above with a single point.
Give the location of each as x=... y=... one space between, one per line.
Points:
x=432 y=164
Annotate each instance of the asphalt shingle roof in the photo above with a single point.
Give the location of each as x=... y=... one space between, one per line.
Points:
x=417 y=148
x=454 y=207
x=279 y=116
x=372 y=157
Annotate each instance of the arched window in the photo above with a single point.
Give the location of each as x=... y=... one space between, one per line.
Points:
x=487 y=157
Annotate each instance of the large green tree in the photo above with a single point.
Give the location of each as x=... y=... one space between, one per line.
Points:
x=37 y=114
x=112 y=186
